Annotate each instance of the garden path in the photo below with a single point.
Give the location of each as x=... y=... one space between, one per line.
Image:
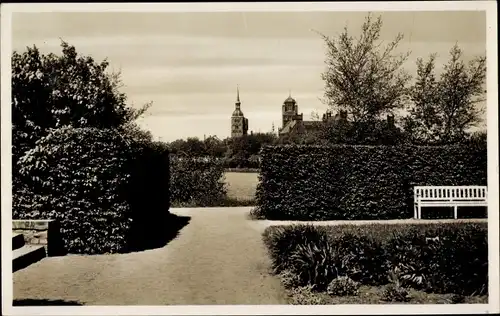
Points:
x=218 y=258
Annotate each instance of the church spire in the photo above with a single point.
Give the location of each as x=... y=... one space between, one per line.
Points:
x=237 y=103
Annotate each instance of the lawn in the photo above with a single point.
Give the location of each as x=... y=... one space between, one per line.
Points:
x=241 y=185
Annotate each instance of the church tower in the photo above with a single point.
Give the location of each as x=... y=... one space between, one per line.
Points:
x=290 y=110
x=239 y=124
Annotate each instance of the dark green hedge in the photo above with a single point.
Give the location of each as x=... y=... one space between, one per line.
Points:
x=108 y=190
x=197 y=182
x=438 y=258
x=359 y=182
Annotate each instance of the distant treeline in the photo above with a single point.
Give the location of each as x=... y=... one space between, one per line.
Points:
x=243 y=152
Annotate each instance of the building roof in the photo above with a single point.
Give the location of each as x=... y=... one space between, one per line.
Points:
x=311 y=124
x=237 y=112
x=290 y=99
x=306 y=125
x=288 y=127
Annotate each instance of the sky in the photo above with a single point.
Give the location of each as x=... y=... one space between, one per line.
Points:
x=190 y=63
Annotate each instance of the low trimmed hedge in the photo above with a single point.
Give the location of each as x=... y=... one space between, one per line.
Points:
x=107 y=189
x=347 y=182
x=439 y=258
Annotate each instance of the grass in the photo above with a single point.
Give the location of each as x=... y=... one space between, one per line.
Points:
x=241 y=186
x=373 y=295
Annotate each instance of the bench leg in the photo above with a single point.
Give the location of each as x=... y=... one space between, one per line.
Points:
x=415 y=212
x=455 y=211
x=419 y=215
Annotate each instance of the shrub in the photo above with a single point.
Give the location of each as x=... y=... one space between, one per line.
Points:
x=446 y=258
x=256 y=214
x=362 y=257
x=359 y=182
x=457 y=299
x=282 y=242
x=440 y=258
x=395 y=293
x=315 y=262
x=197 y=182
x=305 y=295
x=289 y=279
x=343 y=286
x=100 y=184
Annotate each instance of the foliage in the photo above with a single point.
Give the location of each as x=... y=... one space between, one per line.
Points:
x=361 y=78
x=289 y=279
x=362 y=257
x=50 y=91
x=305 y=295
x=98 y=183
x=457 y=299
x=343 y=286
x=359 y=182
x=443 y=110
x=375 y=132
x=315 y=262
x=282 y=242
x=395 y=293
x=454 y=262
x=441 y=260
x=196 y=181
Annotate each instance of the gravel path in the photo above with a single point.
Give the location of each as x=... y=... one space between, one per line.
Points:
x=218 y=258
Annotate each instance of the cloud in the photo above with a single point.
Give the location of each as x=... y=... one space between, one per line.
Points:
x=189 y=64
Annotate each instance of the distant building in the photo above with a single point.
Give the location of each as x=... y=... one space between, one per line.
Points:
x=239 y=124
x=294 y=124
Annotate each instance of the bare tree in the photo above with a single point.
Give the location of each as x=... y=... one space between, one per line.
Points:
x=362 y=77
x=443 y=111
x=315 y=116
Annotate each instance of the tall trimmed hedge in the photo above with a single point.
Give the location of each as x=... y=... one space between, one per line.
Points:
x=359 y=182
x=107 y=189
x=196 y=182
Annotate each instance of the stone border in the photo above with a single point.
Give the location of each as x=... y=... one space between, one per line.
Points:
x=41 y=232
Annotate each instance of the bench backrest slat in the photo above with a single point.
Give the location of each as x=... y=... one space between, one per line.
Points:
x=451 y=193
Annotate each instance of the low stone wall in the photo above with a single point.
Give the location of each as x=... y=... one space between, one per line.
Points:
x=41 y=232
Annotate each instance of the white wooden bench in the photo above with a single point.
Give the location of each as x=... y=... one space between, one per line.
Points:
x=449 y=196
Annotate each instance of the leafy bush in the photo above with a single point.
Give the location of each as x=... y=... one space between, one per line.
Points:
x=282 y=242
x=395 y=293
x=363 y=258
x=51 y=91
x=359 y=182
x=457 y=299
x=442 y=258
x=439 y=258
x=103 y=187
x=305 y=295
x=315 y=262
x=289 y=279
x=197 y=182
x=343 y=286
